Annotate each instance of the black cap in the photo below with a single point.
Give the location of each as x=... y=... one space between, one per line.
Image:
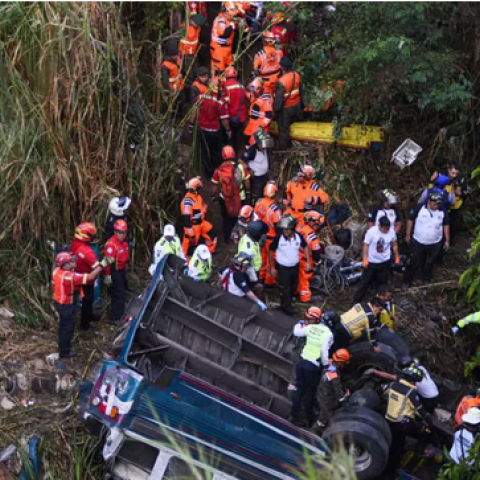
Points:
x=172 y=49
x=198 y=19
x=286 y=62
x=202 y=71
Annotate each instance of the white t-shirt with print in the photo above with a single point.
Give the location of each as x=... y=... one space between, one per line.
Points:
x=379 y=244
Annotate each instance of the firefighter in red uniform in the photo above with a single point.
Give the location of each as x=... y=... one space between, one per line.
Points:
x=188 y=47
x=170 y=74
x=261 y=111
x=65 y=283
x=196 y=227
x=266 y=63
x=308 y=232
x=118 y=249
x=86 y=262
x=221 y=43
x=212 y=115
x=235 y=96
x=288 y=102
x=303 y=193
x=285 y=33
x=269 y=213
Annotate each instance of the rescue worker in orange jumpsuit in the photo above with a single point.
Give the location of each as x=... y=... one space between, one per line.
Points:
x=200 y=85
x=303 y=193
x=188 y=47
x=65 y=283
x=86 y=262
x=466 y=403
x=269 y=213
x=307 y=231
x=288 y=103
x=261 y=111
x=235 y=96
x=118 y=249
x=196 y=228
x=266 y=63
x=221 y=43
x=170 y=73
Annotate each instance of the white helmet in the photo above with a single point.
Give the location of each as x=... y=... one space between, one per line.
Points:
x=119 y=205
x=169 y=230
x=203 y=253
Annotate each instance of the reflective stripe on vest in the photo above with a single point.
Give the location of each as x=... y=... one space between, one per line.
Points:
x=312 y=351
x=399 y=405
x=172 y=247
x=204 y=269
x=246 y=244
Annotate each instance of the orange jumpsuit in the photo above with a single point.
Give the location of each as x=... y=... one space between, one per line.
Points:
x=188 y=45
x=297 y=193
x=175 y=79
x=308 y=233
x=260 y=115
x=221 y=43
x=269 y=213
x=193 y=210
x=267 y=63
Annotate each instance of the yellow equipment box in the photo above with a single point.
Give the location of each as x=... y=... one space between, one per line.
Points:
x=355 y=136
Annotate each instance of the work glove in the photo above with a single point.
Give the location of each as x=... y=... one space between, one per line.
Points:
x=365 y=263
x=455 y=330
x=347 y=394
x=368 y=372
x=107 y=280
x=397 y=260
x=262 y=305
x=331 y=368
x=107 y=261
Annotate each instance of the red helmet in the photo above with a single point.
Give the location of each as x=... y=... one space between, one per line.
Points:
x=246 y=213
x=231 y=72
x=85 y=231
x=341 y=356
x=228 y=152
x=62 y=258
x=313 y=313
x=307 y=171
x=120 y=226
x=194 y=184
x=256 y=86
x=270 y=189
x=268 y=37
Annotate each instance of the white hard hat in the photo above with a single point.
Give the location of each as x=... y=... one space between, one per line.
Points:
x=472 y=416
x=119 y=205
x=169 y=230
x=203 y=252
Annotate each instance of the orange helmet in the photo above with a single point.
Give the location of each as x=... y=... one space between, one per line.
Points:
x=341 y=356
x=268 y=37
x=62 y=258
x=307 y=171
x=231 y=8
x=194 y=184
x=270 y=189
x=85 y=231
x=242 y=7
x=313 y=313
x=256 y=86
x=228 y=152
x=120 y=226
x=231 y=72
x=246 y=214
x=313 y=216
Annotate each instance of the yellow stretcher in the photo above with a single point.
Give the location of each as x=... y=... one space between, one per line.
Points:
x=355 y=136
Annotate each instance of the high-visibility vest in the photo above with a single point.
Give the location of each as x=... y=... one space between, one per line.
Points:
x=219 y=25
x=164 y=247
x=247 y=245
x=189 y=44
x=267 y=61
x=298 y=192
x=175 y=79
x=316 y=334
x=399 y=404
x=356 y=321
x=291 y=89
x=260 y=117
x=204 y=268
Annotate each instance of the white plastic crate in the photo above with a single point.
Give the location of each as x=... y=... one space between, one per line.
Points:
x=406 y=153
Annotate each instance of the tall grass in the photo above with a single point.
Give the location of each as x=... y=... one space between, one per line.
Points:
x=75 y=130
